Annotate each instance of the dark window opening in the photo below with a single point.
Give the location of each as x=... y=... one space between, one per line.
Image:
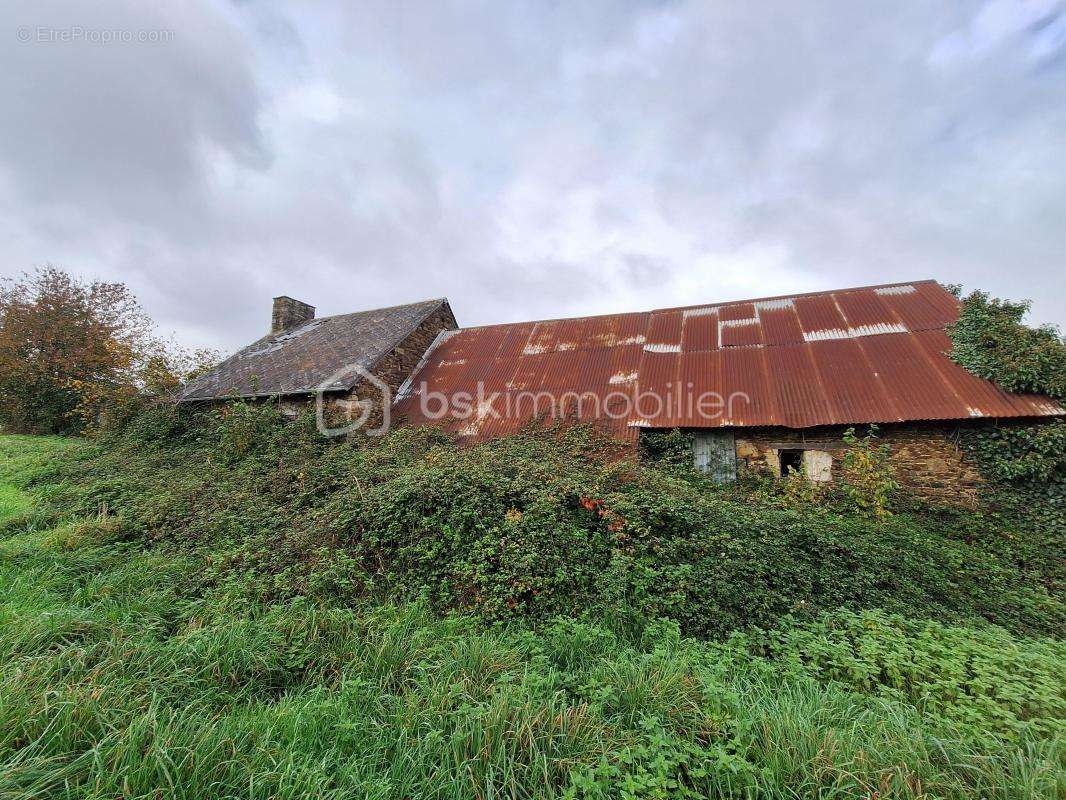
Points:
x=791 y=461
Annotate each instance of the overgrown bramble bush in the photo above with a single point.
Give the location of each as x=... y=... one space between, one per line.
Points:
x=533 y=526
x=138 y=671
x=796 y=490
x=867 y=486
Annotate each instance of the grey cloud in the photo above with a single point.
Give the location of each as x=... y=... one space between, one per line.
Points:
x=538 y=160
x=125 y=128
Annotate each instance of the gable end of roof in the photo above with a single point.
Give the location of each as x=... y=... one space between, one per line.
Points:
x=300 y=360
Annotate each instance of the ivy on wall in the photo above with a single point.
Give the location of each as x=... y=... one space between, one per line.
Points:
x=1025 y=463
x=991 y=341
x=1025 y=466
x=1026 y=456
x=671 y=448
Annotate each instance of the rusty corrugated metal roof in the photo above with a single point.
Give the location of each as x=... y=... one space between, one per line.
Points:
x=870 y=354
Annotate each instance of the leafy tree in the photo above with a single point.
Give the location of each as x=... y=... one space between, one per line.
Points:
x=72 y=352
x=1024 y=462
x=991 y=341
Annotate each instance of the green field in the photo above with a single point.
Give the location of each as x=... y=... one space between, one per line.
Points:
x=134 y=665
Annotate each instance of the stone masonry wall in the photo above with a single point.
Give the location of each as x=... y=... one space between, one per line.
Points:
x=393 y=369
x=288 y=312
x=396 y=365
x=927 y=457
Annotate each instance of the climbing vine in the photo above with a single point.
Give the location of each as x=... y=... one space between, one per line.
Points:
x=1025 y=463
x=869 y=476
x=991 y=341
x=671 y=448
x=1025 y=456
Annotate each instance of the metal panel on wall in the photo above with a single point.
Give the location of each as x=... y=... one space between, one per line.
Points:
x=715 y=452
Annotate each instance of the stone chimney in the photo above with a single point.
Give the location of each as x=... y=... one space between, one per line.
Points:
x=289 y=313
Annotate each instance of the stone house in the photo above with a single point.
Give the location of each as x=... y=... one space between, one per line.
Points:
x=771 y=382
x=304 y=354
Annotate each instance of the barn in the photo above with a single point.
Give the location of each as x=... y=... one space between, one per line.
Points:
x=772 y=382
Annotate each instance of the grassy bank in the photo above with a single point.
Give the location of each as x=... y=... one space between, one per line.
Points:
x=536 y=526
x=167 y=628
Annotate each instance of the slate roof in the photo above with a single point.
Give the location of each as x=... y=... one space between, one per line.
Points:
x=298 y=360
x=869 y=354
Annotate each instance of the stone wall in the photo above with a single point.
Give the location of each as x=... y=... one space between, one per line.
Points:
x=392 y=369
x=397 y=365
x=927 y=456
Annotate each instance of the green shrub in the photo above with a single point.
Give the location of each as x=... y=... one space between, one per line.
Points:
x=991 y=341
x=140 y=655
x=982 y=678
x=869 y=475
x=663 y=764
x=529 y=527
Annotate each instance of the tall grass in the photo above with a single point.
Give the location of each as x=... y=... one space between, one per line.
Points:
x=126 y=672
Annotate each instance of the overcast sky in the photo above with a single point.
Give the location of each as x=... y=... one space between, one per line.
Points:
x=531 y=160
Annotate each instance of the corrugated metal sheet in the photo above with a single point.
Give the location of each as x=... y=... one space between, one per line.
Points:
x=872 y=354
